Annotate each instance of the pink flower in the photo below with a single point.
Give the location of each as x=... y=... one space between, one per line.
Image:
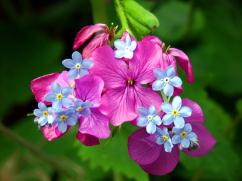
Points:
x=101 y=33
x=124 y=82
x=152 y=157
x=170 y=56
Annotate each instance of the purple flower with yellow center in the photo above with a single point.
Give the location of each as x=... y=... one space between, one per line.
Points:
x=66 y=118
x=43 y=114
x=185 y=137
x=77 y=66
x=59 y=96
x=175 y=112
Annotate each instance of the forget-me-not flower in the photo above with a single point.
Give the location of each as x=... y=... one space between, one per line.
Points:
x=166 y=81
x=77 y=66
x=175 y=112
x=163 y=138
x=59 y=96
x=125 y=49
x=43 y=114
x=149 y=119
x=66 y=118
x=82 y=108
x=184 y=136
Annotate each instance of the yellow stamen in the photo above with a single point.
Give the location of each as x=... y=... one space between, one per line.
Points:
x=131 y=82
x=175 y=112
x=78 y=66
x=183 y=134
x=63 y=117
x=45 y=113
x=164 y=137
x=59 y=96
x=150 y=117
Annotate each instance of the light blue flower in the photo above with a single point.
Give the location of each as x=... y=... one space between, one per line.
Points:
x=166 y=81
x=175 y=112
x=82 y=108
x=66 y=118
x=184 y=136
x=149 y=119
x=125 y=49
x=163 y=138
x=77 y=66
x=43 y=114
x=59 y=96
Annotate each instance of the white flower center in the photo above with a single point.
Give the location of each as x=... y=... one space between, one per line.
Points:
x=150 y=117
x=78 y=66
x=166 y=80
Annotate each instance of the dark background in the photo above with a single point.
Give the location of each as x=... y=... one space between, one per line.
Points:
x=35 y=35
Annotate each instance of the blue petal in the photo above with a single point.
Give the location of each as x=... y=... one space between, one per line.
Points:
x=176 y=81
x=176 y=130
x=192 y=136
x=57 y=105
x=133 y=45
x=55 y=87
x=142 y=121
x=166 y=107
x=143 y=111
x=86 y=112
x=87 y=64
x=179 y=122
x=177 y=102
x=62 y=127
x=157 y=120
x=168 y=90
x=66 y=91
x=158 y=85
x=185 y=112
x=72 y=120
x=185 y=143
x=37 y=113
x=50 y=119
x=159 y=140
x=76 y=57
x=72 y=74
x=42 y=121
x=119 y=44
x=188 y=128
x=68 y=63
x=128 y=40
x=119 y=53
x=152 y=110
x=168 y=146
x=50 y=97
x=151 y=128
x=176 y=139
x=66 y=102
x=159 y=74
x=170 y=71
x=42 y=106
x=83 y=72
x=167 y=119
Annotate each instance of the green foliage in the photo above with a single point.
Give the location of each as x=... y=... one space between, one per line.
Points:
x=112 y=154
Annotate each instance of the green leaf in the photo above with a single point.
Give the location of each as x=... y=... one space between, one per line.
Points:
x=112 y=154
x=130 y=13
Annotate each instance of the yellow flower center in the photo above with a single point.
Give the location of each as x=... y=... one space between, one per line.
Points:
x=164 y=137
x=63 y=117
x=78 y=66
x=167 y=80
x=130 y=82
x=79 y=109
x=150 y=117
x=45 y=113
x=175 y=112
x=59 y=96
x=183 y=134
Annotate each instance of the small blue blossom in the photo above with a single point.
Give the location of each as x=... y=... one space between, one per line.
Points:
x=43 y=114
x=163 y=138
x=59 y=96
x=175 y=112
x=125 y=49
x=82 y=108
x=77 y=66
x=149 y=119
x=184 y=136
x=66 y=118
x=166 y=81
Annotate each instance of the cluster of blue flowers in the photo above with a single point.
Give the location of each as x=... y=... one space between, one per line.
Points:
x=170 y=128
x=65 y=108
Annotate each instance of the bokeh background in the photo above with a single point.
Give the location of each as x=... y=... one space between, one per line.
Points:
x=35 y=35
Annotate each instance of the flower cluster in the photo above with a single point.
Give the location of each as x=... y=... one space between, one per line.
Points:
x=131 y=81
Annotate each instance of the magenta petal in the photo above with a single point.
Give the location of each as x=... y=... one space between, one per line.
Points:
x=142 y=147
x=167 y=60
x=89 y=88
x=111 y=70
x=86 y=32
x=51 y=133
x=87 y=139
x=97 y=41
x=63 y=80
x=41 y=85
x=96 y=124
x=147 y=57
x=153 y=39
x=119 y=104
x=197 y=113
x=206 y=141
x=184 y=62
x=165 y=164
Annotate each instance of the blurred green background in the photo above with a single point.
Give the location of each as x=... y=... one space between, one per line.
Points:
x=36 y=35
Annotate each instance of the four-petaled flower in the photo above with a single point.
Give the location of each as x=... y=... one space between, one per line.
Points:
x=77 y=66
x=166 y=81
x=125 y=49
x=149 y=119
x=175 y=112
x=163 y=138
x=184 y=136
x=59 y=96
x=65 y=118
x=43 y=114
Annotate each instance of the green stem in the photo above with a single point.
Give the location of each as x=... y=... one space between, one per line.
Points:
x=165 y=99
